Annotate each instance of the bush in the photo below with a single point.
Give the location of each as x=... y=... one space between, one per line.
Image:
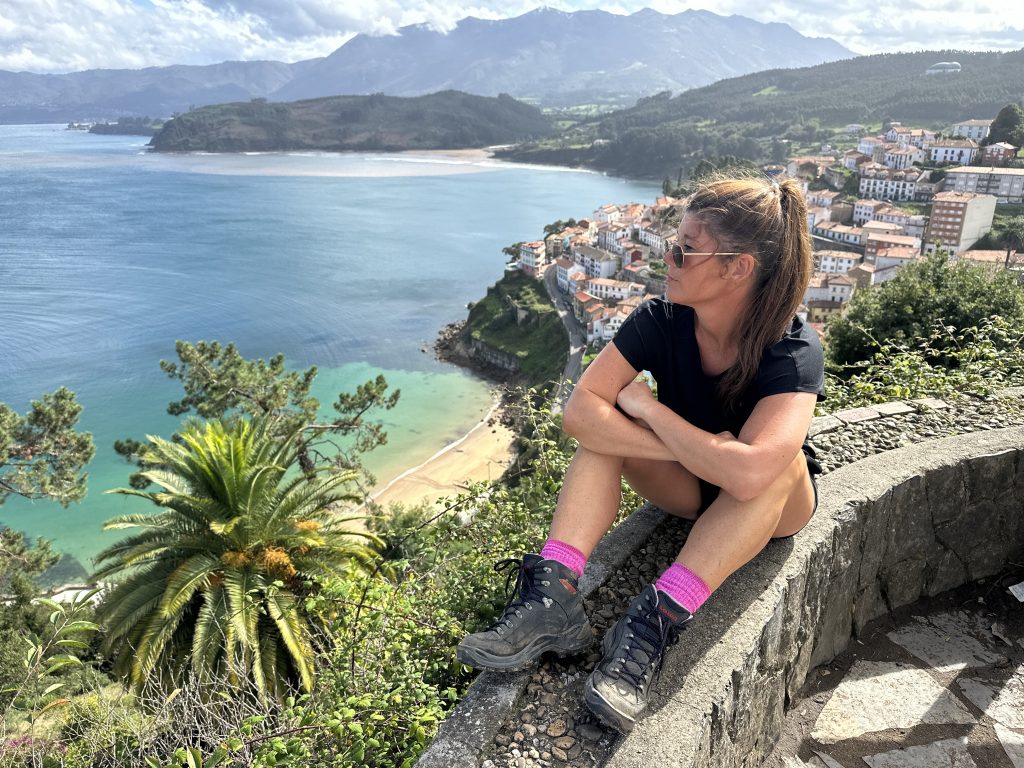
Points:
x=947 y=363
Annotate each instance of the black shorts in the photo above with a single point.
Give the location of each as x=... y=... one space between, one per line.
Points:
x=709 y=492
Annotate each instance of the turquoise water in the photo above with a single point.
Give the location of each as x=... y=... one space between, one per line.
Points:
x=352 y=263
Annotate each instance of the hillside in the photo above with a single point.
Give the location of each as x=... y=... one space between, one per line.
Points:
x=746 y=116
x=446 y=120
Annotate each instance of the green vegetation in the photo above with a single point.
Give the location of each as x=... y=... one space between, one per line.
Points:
x=755 y=115
x=517 y=317
x=1008 y=126
x=445 y=120
x=217 y=577
x=924 y=294
x=128 y=126
x=268 y=636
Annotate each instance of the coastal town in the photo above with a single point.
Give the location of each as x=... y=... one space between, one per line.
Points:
x=874 y=207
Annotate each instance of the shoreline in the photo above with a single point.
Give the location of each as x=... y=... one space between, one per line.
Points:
x=482 y=454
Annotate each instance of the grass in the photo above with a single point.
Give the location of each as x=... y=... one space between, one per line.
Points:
x=538 y=342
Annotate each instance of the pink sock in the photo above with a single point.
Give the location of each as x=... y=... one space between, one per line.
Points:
x=684 y=586
x=566 y=554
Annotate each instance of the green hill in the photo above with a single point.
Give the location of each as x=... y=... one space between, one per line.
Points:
x=750 y=116
x=445 y=120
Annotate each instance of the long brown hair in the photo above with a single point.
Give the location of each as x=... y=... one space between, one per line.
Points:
x=768 y=220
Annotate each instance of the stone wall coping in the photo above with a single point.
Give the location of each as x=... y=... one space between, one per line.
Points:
x=727 y=644
x=742 y=630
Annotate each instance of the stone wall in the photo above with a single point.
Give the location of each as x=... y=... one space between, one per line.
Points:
x=890 y=529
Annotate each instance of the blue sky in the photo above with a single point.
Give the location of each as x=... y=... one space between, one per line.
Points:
x=69 y=35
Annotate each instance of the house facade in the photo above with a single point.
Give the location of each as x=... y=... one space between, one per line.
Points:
x=959 y=220
x=1006 y=184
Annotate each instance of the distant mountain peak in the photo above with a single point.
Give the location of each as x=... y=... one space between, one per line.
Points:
x=546 y=56
x=556 y=58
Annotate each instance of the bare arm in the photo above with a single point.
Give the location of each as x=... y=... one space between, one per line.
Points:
x=591 y=417
x=745 y=466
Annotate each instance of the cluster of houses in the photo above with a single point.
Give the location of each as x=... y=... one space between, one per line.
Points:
x=612 y=262
x=608 y=264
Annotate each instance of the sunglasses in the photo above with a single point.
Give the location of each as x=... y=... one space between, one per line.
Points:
x=678 y=256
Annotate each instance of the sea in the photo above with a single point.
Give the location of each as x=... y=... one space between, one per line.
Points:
x=353 y=263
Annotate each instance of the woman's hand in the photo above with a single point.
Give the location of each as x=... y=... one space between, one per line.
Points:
x=635 y=398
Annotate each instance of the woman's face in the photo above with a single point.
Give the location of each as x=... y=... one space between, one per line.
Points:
x=700 y=277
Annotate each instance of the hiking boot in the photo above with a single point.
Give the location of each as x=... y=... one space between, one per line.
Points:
x=634 y=650
x=545 y=613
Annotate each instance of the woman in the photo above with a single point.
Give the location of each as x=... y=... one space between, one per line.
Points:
x=723 y=443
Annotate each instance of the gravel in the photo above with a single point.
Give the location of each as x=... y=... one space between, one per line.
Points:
x=554 y=726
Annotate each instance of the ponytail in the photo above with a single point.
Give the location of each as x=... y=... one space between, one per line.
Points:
x=768 y=220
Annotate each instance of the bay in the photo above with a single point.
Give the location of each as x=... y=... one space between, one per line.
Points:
x=353 y=263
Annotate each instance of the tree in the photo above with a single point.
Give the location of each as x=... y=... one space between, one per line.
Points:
x=42 y=456
x=1012 y=235
x=1008 y=126
x=218 y=381
x=512 y=251
x=921 y=295
x=215 y=580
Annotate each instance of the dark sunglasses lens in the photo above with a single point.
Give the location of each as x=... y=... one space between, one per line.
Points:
x=677 y=256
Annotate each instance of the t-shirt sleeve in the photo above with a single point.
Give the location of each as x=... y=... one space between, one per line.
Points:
x=795 y=364
x=637 y=337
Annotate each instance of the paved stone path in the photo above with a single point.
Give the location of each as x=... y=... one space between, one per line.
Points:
x=938 y=685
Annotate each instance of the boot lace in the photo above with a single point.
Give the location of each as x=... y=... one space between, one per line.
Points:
x=650 y=633
x=525 y=593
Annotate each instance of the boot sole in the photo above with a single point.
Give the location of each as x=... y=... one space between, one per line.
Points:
x=478 y=658
x=608 y=715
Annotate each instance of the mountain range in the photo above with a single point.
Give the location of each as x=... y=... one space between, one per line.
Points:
x=547 y=57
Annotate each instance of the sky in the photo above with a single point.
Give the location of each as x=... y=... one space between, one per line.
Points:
x=52 y=36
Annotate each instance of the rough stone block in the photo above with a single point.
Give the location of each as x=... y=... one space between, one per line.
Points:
x=989 y=546
x=930 y=403
x=895 y=408
x=902 y=582
x=875 y=525
x=857 y=415
x=947 y=491
x=868 y=606
x=910 y=532
x=836 y=621
x=822 y=424
x=945 y=570
x=990 y=476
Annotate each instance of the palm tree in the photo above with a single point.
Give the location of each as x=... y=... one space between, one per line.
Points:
x=216 y=580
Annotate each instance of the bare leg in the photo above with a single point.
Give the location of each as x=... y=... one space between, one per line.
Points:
x=589 y=500
x=730 y=533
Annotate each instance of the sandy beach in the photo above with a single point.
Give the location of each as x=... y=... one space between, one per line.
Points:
x=481 y=454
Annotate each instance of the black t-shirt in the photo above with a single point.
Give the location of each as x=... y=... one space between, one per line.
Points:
x=660 y=337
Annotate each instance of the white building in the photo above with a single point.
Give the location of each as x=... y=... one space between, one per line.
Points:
x=607 y=214
x=605 y=289
x=827 y=286
x=841 y=233
x=596 y=262
x=533 y=257
x=902 y=157
x=886 y=184
x=973 y=129
x=836 y=262
x=1006 y=184
x=864 y=210
x=952 y=151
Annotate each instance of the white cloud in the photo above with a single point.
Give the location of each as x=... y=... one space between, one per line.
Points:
x=68 y=35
